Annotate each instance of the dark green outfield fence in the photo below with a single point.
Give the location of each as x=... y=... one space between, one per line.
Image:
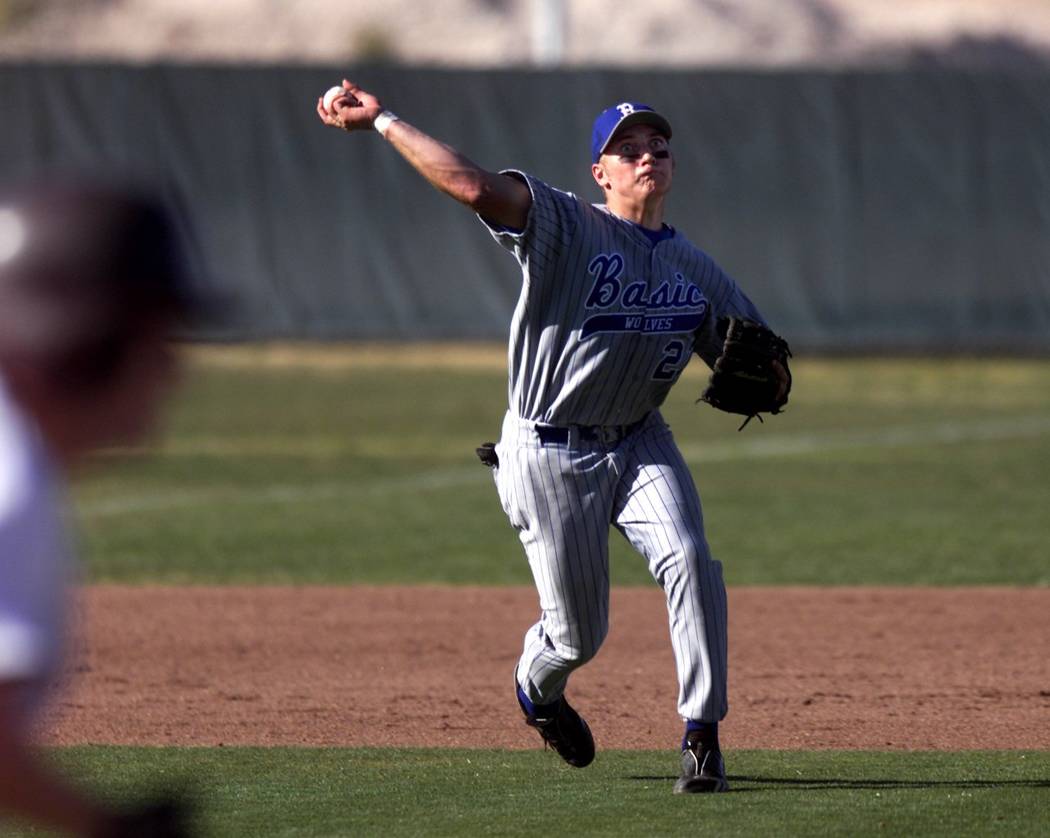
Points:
x=862 y=211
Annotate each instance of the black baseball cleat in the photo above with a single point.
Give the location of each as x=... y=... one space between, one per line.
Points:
x=563 y=730
x=703 y=770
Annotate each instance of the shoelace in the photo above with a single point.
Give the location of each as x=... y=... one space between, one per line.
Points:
x=550 y=730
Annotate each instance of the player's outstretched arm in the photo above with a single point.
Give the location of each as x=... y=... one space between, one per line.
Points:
x=497 y=198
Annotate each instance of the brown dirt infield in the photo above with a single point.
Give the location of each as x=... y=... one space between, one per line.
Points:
x=908 y=668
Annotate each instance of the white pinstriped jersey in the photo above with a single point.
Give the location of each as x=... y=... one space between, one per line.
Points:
x=36 y=561
x=604 y=324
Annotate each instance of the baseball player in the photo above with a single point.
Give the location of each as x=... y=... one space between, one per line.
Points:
x=613 y=303
x=91 y=284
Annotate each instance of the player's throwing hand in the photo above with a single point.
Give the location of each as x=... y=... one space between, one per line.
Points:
x=354 y=111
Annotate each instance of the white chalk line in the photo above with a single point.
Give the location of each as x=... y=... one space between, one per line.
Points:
x=892 y=436
x=749 y=448
x=286 y=493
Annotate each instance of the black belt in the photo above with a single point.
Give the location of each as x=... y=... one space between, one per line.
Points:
x=609 y=434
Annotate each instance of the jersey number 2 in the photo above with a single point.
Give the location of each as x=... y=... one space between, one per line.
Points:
x=667 y=369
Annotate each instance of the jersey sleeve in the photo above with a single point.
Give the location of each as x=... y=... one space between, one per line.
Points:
x=552 y=220
x=726 y=299
x=22 y=643
x=31 y=566
x=22 y=656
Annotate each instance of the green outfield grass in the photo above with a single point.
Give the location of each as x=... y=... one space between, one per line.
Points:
x=339 y=792
x=881 y=472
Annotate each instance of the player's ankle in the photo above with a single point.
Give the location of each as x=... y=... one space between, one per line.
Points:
x=531 y=708
x=700 y=733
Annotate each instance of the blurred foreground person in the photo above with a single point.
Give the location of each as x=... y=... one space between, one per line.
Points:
x=92 y=283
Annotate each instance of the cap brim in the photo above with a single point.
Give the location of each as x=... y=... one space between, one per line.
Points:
x=639 y=118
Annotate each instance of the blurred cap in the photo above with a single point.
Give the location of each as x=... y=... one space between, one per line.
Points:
x=623 y=116
x=79 y=261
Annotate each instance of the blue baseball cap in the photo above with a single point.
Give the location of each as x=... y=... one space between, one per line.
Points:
x=620 y=116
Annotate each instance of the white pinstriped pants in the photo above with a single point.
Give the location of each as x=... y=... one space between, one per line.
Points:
x=562 y=499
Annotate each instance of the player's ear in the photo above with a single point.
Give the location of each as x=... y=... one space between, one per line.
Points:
x=600 y=177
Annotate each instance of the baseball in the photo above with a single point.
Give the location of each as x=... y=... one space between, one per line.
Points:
x=332 y=94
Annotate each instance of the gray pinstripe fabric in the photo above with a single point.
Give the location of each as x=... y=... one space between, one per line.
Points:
x=562 y=499
x=560 y=377
x=605 y=324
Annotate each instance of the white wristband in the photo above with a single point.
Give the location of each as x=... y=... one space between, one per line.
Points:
x=382 y=122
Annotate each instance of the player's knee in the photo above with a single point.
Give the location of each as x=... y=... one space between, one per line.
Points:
x=579 y=655
x=591 y=649
x=692 y=560
x=585 y=646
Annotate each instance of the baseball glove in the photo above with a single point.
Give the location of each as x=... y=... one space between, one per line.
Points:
x=745 y=379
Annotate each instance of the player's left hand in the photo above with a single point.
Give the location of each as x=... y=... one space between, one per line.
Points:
x=354 y=111
x=751 y=376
